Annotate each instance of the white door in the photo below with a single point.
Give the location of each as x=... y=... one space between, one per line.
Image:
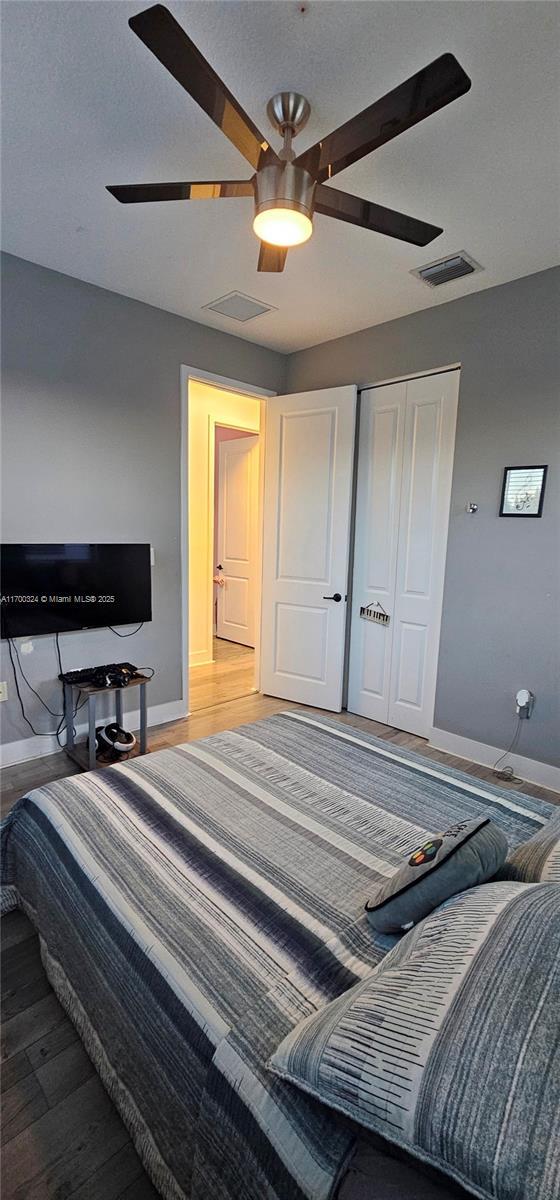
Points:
x=238 y=502
x=407 y=438
x=380 y=450
x=308 y=487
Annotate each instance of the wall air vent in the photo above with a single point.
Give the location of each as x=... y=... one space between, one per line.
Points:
x=447 y=269
x=239 y=307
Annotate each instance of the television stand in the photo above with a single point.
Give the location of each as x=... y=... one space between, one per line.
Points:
x=85 y=756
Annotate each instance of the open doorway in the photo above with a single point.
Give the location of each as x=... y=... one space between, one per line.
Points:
x=224 y=485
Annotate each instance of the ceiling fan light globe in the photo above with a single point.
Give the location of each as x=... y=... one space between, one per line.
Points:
x=283 y=227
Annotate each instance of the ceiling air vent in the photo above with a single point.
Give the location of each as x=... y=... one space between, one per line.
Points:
x=447 y=269
x=239 y=307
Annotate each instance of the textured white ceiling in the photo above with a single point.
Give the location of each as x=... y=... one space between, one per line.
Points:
x=85 y=104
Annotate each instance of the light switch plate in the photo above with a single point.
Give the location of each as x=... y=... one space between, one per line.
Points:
x=3 y=691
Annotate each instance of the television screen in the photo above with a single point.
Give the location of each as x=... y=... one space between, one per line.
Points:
x=57 y=588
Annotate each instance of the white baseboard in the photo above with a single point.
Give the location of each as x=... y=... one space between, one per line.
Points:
x=39 y=747
x=200 y=658
x=543 y=774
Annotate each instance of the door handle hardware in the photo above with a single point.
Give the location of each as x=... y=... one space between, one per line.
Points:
x=337 y=597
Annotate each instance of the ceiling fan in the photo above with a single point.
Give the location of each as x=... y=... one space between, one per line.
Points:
x=288 y=191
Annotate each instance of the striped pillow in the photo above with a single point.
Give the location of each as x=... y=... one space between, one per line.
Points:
x=538 y=860
x=450 y=1047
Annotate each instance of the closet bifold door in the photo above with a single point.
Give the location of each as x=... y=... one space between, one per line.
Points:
x=380 y=452
x=405 y=465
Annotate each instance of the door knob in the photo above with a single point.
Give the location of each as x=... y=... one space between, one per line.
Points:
x=337 y=597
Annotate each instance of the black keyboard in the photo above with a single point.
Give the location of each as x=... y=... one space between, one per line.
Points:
x=111 y=674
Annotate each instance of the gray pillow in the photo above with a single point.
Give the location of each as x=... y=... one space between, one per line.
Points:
x=538 y=860
x=450 y=1047
x=469 y=853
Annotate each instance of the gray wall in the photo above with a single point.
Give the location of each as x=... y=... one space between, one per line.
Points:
x=501 y=623
x=91 y=451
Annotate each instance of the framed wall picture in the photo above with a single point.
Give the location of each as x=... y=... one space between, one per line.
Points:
x=523 y=491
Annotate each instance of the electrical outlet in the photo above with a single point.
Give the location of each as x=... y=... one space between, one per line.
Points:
x=524 y=703
x=3 y=691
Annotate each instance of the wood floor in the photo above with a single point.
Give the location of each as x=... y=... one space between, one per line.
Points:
x=62 y=1138
x=232 y=674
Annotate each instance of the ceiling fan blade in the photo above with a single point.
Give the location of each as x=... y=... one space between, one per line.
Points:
x=162 y=34
x=139 y=193
x=423 y=94
x=333 y=203
x=272 y=258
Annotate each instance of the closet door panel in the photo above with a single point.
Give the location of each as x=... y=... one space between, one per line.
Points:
x=382 y=419
x=424 y=511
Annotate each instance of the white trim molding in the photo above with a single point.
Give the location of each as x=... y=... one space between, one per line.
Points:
x=39 y=747
x=366 y=387
x=530 y=769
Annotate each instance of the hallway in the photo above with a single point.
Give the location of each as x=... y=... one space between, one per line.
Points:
x=232 y=674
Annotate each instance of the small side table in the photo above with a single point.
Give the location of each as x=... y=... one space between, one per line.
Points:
x=85 y=756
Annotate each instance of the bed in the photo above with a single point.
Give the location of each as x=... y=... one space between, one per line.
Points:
x=195 y=904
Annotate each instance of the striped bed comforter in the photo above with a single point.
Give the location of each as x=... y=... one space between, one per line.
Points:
x=194 y=904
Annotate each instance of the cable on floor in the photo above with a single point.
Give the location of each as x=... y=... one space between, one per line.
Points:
x=507 y=773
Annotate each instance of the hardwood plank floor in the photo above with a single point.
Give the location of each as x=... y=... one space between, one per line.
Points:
x=65 y=1147
x=62 y=1136
x=232 y=674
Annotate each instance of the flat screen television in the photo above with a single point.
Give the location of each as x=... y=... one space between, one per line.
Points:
x=58 y=588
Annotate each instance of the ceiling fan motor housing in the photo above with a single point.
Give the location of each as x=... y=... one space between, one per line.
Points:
x=283 y=185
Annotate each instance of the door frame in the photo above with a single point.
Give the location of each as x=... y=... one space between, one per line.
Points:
x=188 y=373
x=441 y=370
